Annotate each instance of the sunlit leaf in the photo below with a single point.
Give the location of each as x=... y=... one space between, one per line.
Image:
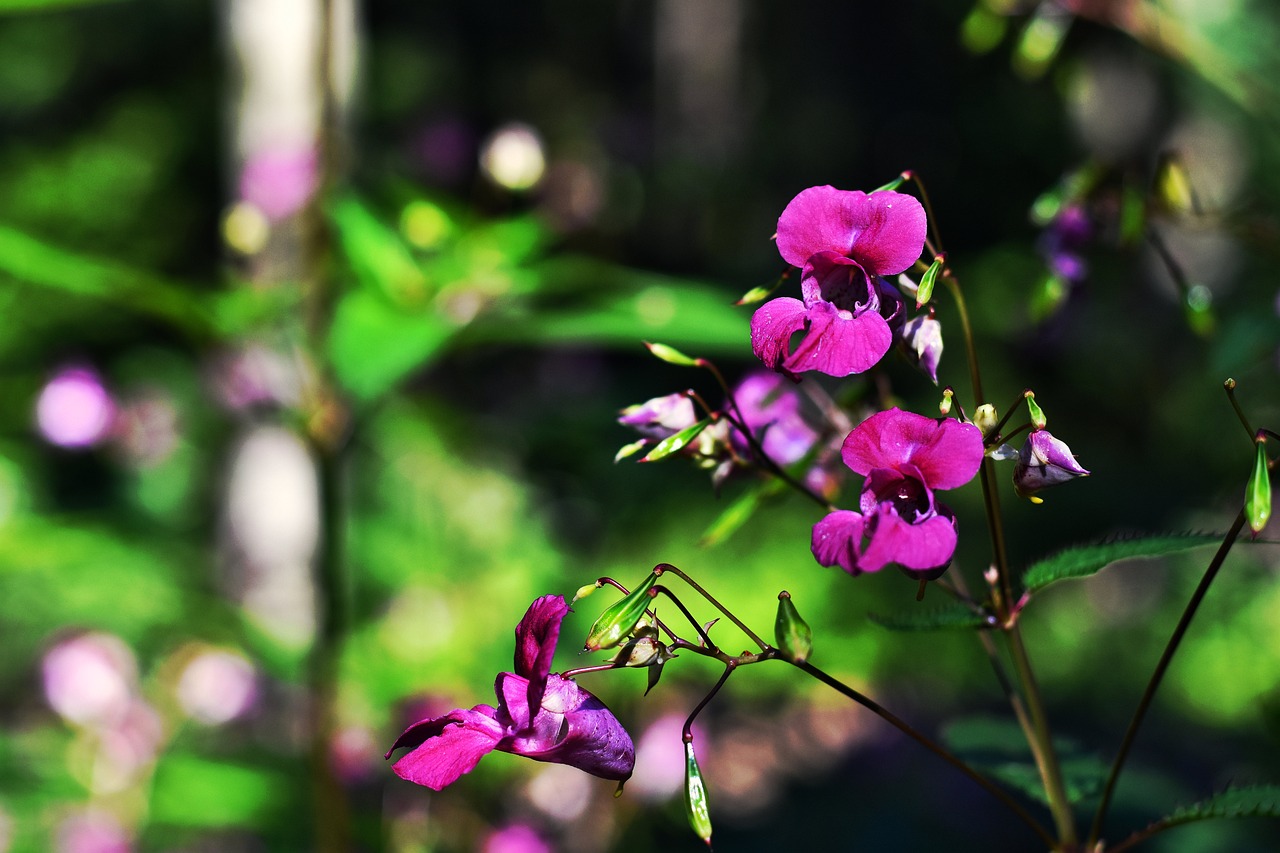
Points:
x=1251 y=801
x=675 y=443
x=376 y=252
x=374 y=344
x=1084 y=560
x=191 y=791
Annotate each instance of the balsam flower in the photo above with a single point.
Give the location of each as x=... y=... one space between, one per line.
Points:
x=539 y=715
x=843 y=242
x=906 y=458
x=1044 y=461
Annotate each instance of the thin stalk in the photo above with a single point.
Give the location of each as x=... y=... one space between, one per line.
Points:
x=702 y=632
x=929 y=744
x=755 y=638
x=1154 y=683
x=1230 y=387
x=687 y=731
x=971 y=351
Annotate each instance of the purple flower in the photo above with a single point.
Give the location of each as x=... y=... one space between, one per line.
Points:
x=1062 y=242
x=539 y=715
x=771 y=410
x=922 y=338
x=661 y=416
x=843 y=242
x=905 y=458
x=1044 y=461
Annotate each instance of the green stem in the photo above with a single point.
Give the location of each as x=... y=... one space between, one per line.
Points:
x=755 y=638
x=938 y=750
x=971 y=351
x=1158 y=675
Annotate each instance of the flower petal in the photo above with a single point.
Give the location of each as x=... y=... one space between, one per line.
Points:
x=772 y=325
x=837 y=540
x=536 y=638
x=889 y=232
x=947 y=454
x=819 y=219
x=928 y=544
x=589 y=737
x=446 y=747
x=839 y=344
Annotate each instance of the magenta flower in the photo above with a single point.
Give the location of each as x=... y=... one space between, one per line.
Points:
x=905 y=458
x=843 y=242
x=770 y=408
x=539 y=715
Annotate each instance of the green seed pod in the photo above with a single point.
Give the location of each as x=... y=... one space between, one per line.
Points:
x=925 y=292
x=695 y=796
x=617 y=623
x=1257 y=498
x=795 y=640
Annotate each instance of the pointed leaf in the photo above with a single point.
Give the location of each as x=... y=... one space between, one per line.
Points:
x=1084 y=560
x=1257 y=502
x=946 y=617
x=1253 y=801
x=630 y=449
x=671 y=355
x=675 y=443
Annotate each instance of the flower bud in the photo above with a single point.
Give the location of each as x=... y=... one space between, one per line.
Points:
x=584 y=591
x=795 y=639
x=671 y=355
x=643 y=649
x=1038 y=419
x=617 y=623
x=661 y=416
x=985 y=418
x=1257 y=499
x=1044 y=461
x=922 y=340
x=695 y=796
x=925 y=291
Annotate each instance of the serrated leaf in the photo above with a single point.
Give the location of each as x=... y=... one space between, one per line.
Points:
x=1085 y=560
x=997 y=747
x=1251 y=801
x=675 y=443
x=944 y=617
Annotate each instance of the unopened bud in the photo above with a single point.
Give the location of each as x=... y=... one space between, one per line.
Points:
x=1038 y=420
x=671 y=355
x=695 y=796
x=1257 y=499
x=795 y=639
x=584 y=591
x=985 y=418
x=925 y=291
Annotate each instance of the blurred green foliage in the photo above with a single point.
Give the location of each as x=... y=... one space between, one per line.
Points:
x=477 y=344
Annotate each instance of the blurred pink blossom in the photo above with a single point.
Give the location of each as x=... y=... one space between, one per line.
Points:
x=517 y=838
x=217 y=686
x=91 y=832
x=75 y=409
x=90 y=679
x=279 y=182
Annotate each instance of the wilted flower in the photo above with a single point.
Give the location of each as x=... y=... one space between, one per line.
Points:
x=540 y=715
x=922 y=339
x=843 y=242
x=906 y=458
x=1044 y=461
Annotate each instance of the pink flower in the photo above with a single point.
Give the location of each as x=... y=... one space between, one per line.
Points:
x=539 y=715
x=905 y=458
x=1044 y=461
x=843 y=242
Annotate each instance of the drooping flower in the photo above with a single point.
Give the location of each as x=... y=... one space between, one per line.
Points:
x=1044 y=461
x=661 y=416
x=906 y=458
x=843 y=243
x=540 y=715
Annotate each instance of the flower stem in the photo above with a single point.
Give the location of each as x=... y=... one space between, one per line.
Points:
x=929 y=744
x=1158 y=674
x=755 y=638
x=971 y=351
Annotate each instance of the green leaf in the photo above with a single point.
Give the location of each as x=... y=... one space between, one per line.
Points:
x=20 y=6
x=191 y=791
x=948 y=617
x=1251 y=801
x=739 y=512
x=1084 y=560
x=376 y=252
x=998 y=747
x=675 y=443
x=374 y=344
x=35 y=262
